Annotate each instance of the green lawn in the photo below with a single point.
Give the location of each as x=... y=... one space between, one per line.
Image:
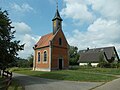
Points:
x=80 y=74
x=114 y=71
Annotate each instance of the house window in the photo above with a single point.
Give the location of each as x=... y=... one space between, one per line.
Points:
x=45 y=56
x=38 y=56
x=60 y=41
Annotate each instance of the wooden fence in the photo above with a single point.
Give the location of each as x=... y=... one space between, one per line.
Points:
x=6 y=82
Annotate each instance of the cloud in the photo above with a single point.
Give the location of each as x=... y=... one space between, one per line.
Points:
x=22 y=27
x=29 y=41
x=107 y=8
x=101 y=33
x=89 y=10
x=21 y=8
x=104 y=29
x=77 y=10
x=25 y=35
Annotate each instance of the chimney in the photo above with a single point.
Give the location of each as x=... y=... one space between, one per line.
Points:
x=87 y=48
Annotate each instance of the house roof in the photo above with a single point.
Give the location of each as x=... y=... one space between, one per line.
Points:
x=109 y=51
x=92 y=55
x=44 y=41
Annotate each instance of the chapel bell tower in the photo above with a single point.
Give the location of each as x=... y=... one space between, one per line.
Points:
x=57 y=21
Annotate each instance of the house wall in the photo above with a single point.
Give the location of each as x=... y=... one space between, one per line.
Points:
x=42 y=66
x=82 y=64
x=93 y=64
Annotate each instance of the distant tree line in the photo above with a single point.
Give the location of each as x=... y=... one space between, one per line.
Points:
x=23 y=63
x=73 y=55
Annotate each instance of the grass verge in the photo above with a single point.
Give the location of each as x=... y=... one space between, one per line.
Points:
x=1 y=79
x=15 y=85
x=112 y=71
x=72 y=75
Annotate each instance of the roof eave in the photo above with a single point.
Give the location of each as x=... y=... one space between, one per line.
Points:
x=59 y=18
x=41 y=47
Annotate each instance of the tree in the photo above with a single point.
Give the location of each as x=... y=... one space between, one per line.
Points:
x=102 y=61
x=25 y=63
x=8 y=46
x=106 y=64
x=30 y=60
x=73 y=55
x=22 y=63
x=111 y=60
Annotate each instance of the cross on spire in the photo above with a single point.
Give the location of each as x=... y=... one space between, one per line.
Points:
x=57 y=4
x=57 y=15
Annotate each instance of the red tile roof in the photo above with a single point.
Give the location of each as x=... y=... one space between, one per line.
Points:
x=44 y=40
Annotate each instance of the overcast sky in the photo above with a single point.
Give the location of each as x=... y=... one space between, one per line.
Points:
x=86 y=23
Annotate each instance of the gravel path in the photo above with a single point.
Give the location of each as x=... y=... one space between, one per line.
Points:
x=36 y=83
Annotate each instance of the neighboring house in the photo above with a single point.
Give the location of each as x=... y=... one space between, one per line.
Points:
x=93 y=56
x=51 y=51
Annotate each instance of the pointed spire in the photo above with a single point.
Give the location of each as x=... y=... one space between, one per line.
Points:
x=57 y=15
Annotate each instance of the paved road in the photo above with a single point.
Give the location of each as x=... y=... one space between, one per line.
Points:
x=36 y=83
x=113 y=85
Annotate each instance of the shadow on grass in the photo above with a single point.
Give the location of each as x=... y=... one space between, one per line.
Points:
x=74 y=67
x=53 y=75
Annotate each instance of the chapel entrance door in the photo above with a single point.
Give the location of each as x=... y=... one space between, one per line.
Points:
x=60 y=64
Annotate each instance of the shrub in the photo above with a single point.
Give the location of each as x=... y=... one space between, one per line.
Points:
x=13 y=69
x=74 y=67
x=109 y=65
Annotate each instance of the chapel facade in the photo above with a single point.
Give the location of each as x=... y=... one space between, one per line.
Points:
x=51 y=51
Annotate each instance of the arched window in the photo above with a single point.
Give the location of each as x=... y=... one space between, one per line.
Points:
x=38 y=56
x=45 y=56
x=60 y=41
